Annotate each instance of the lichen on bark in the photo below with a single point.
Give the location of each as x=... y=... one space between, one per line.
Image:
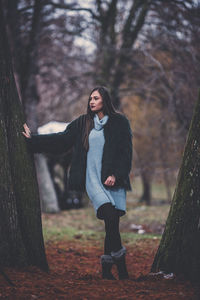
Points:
x=179 y=249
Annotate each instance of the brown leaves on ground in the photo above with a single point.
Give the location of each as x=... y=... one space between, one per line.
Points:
x=75 y=273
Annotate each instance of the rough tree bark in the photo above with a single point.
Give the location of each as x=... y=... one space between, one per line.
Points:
x=179 y=250
x=21 y=239
x=26 y=67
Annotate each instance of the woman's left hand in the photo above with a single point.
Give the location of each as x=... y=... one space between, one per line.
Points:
x=110 y=181
x=26 y=132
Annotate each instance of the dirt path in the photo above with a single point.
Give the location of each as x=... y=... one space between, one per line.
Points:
x=75 y=273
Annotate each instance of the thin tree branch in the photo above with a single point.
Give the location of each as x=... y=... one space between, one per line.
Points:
x=128 y=23
x=99 y=8
x=140 y=22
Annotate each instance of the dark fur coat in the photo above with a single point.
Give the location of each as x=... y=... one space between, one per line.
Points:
x=117 y=151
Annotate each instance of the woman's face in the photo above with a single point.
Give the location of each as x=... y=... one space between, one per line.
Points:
x=96 y=102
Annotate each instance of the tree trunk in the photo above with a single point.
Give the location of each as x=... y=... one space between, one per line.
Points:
x=111 y=61
x=26 y=63
x=30 y=98
x=48 y=197
x=167 y=185
x=29 y=90
x=146 y=196
x=21 y=236
x=179 y=250
x=163 y=159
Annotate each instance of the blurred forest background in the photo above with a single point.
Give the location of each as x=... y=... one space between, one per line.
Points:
x=145 y=52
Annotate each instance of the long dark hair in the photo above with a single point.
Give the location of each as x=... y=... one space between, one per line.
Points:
x=108 y=109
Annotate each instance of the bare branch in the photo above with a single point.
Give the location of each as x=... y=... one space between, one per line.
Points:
x=140 y=22
x=99 y=3
x=134 y=8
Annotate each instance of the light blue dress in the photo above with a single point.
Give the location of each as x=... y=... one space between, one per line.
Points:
x=96 y=191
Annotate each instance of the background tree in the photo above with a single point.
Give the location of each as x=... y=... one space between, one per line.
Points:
x=25 y=45
x=159 y=72
x=147 y=49
x=20 y=221
x=147 y=118
x=119 y=25
x=25 y=49
x=179 y=250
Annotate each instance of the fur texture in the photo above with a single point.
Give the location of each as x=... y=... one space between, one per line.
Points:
x=117 y=153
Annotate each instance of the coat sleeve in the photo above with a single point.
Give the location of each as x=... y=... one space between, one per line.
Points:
x=125 y=151
x=55 y=143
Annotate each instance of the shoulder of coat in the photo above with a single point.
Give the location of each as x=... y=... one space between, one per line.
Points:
x=78 y=122
x=119 y=117
x=81 y=121
x=121 y=123
x=80 y=118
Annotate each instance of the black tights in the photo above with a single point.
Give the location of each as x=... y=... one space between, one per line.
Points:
x=111 y=218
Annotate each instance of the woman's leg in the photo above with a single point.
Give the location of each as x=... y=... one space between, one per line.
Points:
x=113 y=246
x=107 y=212
x=113 y=250
x=112 y=237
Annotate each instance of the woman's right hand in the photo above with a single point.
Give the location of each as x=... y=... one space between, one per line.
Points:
x=27 y=132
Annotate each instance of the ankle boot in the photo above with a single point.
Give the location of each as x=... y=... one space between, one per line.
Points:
x=119 y=260
x=107 y=263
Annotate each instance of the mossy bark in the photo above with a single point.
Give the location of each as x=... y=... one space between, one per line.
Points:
x=179 y=250
x=21 y=239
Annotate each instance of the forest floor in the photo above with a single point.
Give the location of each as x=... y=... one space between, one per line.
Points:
x=75 y=273
x=74 y=243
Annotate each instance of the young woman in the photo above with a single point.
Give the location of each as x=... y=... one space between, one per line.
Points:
x=101 y=162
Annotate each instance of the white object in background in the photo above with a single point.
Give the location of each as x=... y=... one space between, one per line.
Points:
x=48 y=196
x=135 y=227
x=52 y=127
x=156 y=274
x=169 y=276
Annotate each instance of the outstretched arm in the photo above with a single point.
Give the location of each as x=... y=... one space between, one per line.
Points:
x=52 y=143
